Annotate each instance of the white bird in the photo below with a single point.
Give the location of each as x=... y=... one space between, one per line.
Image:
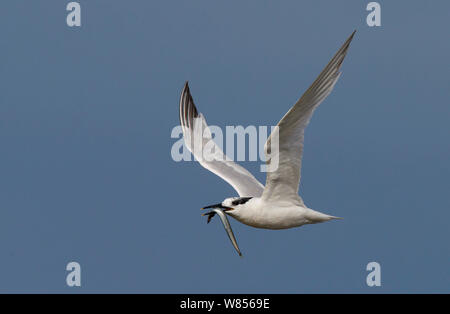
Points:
x=277 y=205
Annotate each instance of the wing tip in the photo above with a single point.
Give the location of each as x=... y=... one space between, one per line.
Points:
x=348 y=41
x=342 y=52
x=187 y=111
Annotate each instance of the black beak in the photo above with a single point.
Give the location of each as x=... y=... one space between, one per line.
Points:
x=213 y=206
x=218 y=206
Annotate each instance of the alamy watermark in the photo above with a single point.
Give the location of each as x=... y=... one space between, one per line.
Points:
x=240 y=143
x=73 y=279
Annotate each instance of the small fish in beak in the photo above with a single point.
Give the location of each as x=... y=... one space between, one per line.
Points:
x=212 y=213
x=225 y=222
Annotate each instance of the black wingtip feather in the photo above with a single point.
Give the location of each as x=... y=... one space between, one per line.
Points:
x=188 y=111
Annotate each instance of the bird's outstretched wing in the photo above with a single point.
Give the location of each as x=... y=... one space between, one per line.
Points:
x=283 y=183
x=198 y=139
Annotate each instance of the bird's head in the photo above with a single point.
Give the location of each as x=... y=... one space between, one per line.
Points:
x=223 y=206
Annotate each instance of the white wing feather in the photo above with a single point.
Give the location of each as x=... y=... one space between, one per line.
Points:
x=198 y=140
x=283 y=183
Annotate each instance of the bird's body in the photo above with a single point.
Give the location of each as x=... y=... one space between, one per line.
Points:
x=276 y=205
x=275 y=215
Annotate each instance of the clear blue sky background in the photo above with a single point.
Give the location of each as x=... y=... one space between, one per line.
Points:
x=86 y=173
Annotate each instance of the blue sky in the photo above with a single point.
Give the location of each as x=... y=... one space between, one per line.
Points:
x=86 y=173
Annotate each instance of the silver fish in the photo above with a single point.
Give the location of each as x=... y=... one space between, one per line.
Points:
x=226 y=225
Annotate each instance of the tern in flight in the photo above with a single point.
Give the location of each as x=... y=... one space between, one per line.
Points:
x=276 y=205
